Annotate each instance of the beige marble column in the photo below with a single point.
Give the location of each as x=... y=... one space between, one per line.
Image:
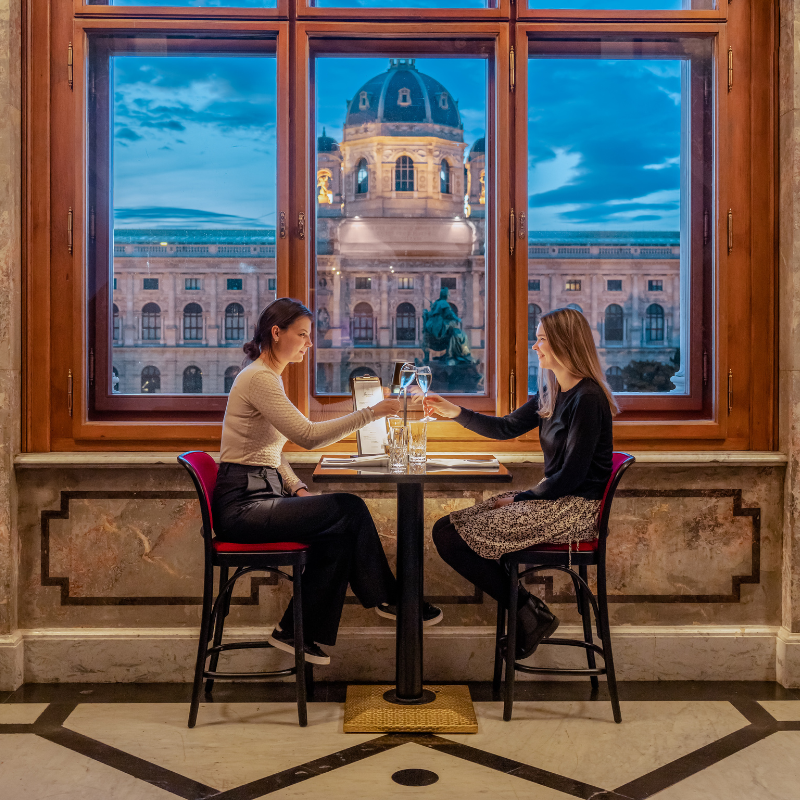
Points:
x=788 y=657
x=10 y=335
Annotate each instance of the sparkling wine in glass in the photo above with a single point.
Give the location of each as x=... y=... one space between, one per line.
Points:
x=408 y=372
x=424 y=378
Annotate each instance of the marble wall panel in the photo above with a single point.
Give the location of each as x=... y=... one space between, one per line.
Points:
x=676 y=548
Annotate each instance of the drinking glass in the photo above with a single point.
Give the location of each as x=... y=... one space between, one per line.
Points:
x=417 y=441
x=398 y=444
x=408 y=372
x=424 y=379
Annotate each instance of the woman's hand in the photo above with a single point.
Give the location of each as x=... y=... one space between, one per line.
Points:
x=301 y=492
x=503 y=501
x=391 y=405
x=444 y=408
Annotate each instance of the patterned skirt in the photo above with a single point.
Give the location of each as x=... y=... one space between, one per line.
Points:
x=493 y=532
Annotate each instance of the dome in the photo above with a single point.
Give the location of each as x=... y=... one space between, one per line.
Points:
x=325 y=144
x=403 y=94
x=479 y=147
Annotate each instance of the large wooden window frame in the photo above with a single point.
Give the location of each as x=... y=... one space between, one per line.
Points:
x=743 y=354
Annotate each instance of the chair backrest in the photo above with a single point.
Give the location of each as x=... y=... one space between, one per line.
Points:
x=203 y=469
x=619 y=463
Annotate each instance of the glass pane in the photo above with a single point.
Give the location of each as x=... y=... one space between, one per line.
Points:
x=400 y=267
x=190 y=201
x=616 y=208
x=404 y=3
x=188 y=3
x=625 y=5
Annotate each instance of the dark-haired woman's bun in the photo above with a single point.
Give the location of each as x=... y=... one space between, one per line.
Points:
x=251 y=350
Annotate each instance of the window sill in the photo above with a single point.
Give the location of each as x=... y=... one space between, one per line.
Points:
x=118 y=460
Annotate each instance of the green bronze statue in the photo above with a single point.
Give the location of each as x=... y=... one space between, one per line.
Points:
x=441 y=330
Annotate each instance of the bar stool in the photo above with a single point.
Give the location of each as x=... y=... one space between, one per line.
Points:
x=244 y=558
x=558 y=557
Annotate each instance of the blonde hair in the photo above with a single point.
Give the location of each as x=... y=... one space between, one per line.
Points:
x=570 y=338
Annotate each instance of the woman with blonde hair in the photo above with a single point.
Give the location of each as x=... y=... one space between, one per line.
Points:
x=573 y=412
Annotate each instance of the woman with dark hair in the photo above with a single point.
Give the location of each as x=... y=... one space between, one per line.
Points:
x=573 y=412
x=258 y=498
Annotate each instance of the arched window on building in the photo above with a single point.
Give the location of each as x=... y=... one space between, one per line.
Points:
x=151 y=321
x=406 y=323
x=362 y=177
x=454 y=307
x=193 y=380
x=444 y=177
x=654 y=323
x=404 y=174
x=614 y=378
x=362 y=324
x=360 y=372
x=192 y=323
x=534 y=314
x=404 y=97
x=234 y=323
x=230 y=377
x=117 y=331
x=614 y=328
x=151 y=380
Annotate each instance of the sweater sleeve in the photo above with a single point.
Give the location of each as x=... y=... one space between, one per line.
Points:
x=290 y=480
x=270 y=400
x=522 y=420
x=582 y=438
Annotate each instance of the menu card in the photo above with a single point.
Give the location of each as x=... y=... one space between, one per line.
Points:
x=372 y=439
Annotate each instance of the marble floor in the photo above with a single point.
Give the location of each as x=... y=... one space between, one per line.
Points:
x=677 y=741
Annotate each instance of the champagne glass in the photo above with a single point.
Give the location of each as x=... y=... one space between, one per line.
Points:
x=424 y=379
x=408 y=372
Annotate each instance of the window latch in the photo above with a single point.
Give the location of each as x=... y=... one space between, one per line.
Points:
x=512 y=226
x=512 y=68
x=283 y=225
x=70 y=73
x=730 y=231
x=512 y=391
x=522 y=226
x=69 y=231
x=730 y=390
x=301 y=225
x=69 y=391
x=730 y=68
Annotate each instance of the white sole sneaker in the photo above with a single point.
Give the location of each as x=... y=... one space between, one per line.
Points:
x=288 y=647
x=426 y=623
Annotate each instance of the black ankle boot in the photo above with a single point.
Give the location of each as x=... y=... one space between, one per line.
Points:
x=535 y=622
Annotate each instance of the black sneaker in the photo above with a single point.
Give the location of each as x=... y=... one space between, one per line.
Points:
x=283 y=640
x=431 y=615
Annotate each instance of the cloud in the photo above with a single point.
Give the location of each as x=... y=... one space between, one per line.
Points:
x=174 y=217
x=127 y=133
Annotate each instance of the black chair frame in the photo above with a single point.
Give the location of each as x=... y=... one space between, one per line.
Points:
x=538 y=561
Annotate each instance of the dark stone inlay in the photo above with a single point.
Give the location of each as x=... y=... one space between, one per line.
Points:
x=415 y=777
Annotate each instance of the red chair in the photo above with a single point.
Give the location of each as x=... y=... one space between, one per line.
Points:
x=558 y=557
x=243 y=558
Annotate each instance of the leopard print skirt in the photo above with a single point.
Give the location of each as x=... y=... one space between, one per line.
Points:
x=493 y=532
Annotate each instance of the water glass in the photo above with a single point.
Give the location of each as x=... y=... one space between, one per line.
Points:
x=398 y=445
x=417 y=441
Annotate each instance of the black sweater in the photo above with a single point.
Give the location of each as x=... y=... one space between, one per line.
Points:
x=577 y=440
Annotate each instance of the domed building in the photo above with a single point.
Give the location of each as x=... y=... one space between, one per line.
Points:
x=395 y=224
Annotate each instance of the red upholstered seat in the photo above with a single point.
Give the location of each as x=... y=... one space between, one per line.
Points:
x=273 y=547
x=577 y=547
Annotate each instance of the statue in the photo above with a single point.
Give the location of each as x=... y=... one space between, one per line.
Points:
x=441 y=330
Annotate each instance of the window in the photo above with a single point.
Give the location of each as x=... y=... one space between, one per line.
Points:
x=193 y=323
x=614 y=286
x=272 y=284
x=406 y=330
x=151 y=322
x=404 y=97
x=117 y=331
x=404 y=175
x=534 y=285
x=655 y=286
x=149 y=284
x=234 y=284
x=363 y=283
x=444 y=177
x=654 y=325
x=443 y=100
x=234 y=323
x=362 y=177
x=230 y=377
x=115 y=284
x=448 y=283
x=362 y=324
x=534 y=313
x=363 y=101
x=405 y=284
x=192 y=380
x=191 y=284
x=614 y=326
x=614 y=378
x=572 y=285
x=151 y=380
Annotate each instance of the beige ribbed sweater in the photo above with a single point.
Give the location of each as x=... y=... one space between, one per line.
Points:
x=260 y=419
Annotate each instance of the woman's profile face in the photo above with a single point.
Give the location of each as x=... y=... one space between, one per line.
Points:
x=293 y=342
x=542 y=349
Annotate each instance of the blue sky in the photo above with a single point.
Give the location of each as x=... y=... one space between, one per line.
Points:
x=194 y=142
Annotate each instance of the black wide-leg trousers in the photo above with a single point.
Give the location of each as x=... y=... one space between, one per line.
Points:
x=344 y=546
